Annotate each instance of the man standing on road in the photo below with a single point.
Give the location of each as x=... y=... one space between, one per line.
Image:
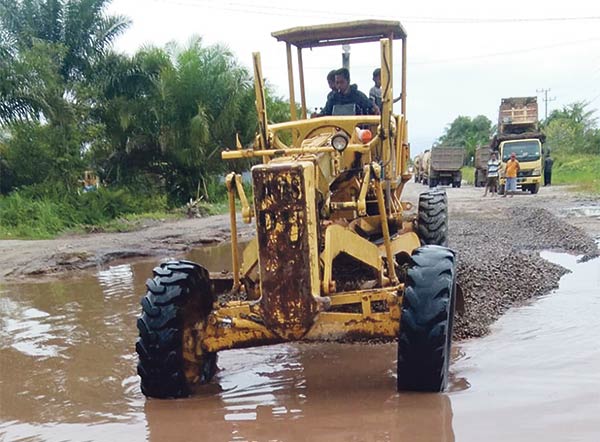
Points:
x=512 y=169
x=493 y=166
x=548 y=162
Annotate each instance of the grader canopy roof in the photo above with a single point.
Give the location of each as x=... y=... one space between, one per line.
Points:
x=341 y=33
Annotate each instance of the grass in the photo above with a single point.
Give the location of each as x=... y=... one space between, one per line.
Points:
x=43 y=213
x=582 y=171
x=34 y=213
x=128 y=223
x=468 y=174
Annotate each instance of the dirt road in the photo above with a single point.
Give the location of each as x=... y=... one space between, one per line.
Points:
x=497 y=240
x=68 y=363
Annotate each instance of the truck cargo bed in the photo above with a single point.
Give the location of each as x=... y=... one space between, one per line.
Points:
x=447 y=158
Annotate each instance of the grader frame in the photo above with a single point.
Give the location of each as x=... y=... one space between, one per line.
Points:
x=313 y=319
x=333 y=237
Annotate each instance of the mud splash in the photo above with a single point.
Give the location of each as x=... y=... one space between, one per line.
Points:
x=67 y=372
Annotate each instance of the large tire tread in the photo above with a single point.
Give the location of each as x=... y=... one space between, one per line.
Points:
x=177 y=295
x=424 y=341
x=432 y=218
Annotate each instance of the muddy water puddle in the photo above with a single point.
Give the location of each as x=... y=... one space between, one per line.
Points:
x=67 y=373
x=588 y=211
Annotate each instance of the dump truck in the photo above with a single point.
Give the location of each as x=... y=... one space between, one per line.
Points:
x=518 y=132
x=417 y=167
x=425 y=161
x=444 y=166
x=482 y=156
x=337 y=255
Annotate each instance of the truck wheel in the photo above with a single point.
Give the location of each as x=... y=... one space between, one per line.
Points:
x=178 y=297
x=426 y=323
x=476 y=179
x=534 y=188
x=432 y=218
x=456 y=184
x=432 y=182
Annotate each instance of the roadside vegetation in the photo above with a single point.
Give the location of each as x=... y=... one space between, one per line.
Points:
x=151 y=126
x=573 y=138
x=468 y=174
x=580 y=170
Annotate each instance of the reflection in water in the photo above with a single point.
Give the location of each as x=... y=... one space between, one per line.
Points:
x=305 y=392
x=28 y=330
x=248 y=392
x=583 y=211
x=215 y=258
x=538 y=369
x=67 y=356
x=116 y=280
x=67 y=372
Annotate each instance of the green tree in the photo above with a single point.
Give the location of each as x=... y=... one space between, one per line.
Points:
x=129 y=108
x=169 y=113
x=572 y=129
x=49 y=50
x=468 y=133
x=80 y=26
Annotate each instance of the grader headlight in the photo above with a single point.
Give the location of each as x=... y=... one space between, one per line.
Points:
x=340 y=141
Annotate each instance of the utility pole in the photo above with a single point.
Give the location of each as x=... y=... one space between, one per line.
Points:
x=546 y=100
x=346 y=56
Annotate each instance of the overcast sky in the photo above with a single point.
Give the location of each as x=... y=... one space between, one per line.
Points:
x=463 y=55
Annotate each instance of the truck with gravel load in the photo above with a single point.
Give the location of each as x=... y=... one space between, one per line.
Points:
x=482 y=156
x=425 y=161
x=444 y=166
x=518 y=132
x=417 y=167
x=337 y=254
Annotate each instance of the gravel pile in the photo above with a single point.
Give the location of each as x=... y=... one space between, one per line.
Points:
x=499 y=265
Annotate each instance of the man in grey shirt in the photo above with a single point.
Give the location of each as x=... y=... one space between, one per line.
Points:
x=375 y=92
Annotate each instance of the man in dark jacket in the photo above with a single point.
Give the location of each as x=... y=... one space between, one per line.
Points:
x=548 y=162
x=349 y=94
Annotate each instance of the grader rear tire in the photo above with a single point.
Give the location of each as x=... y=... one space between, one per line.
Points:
x=432 y=218
x=426 y=323
x=178 y=297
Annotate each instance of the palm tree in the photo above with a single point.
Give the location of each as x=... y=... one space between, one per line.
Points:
x=204 y=103
x=80 y=26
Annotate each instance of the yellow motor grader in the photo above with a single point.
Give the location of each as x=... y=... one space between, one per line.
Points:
x=336 y=256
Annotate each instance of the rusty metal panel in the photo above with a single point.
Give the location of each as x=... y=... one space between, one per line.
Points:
x=284 y=198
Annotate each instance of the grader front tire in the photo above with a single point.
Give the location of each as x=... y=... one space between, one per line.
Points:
x=178 y=296
x=432 y=218
x=425 y=337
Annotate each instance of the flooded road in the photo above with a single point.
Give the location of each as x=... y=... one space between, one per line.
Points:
x=67 y=373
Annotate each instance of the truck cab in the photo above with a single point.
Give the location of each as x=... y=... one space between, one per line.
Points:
x=529 y=155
